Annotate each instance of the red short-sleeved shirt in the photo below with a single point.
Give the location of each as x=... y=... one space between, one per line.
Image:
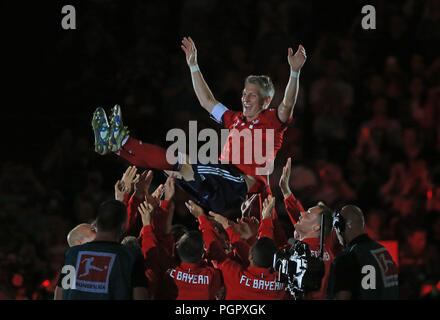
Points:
x=252 y=145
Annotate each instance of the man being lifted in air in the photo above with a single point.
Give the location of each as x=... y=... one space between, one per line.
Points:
x=217 y=187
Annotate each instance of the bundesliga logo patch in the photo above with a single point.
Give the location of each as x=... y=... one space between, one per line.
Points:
x=93 y=271
x=387 y=267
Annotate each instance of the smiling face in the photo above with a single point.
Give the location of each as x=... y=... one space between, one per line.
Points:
x=252 y=101
x=309 y=222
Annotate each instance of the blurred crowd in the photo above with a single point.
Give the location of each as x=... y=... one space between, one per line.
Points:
x=365 y=131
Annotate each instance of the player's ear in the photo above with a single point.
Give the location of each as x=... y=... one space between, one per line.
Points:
x=316 y=227
x=267 y=102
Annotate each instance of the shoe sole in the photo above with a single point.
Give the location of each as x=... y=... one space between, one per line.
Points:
x=100 y=125
x=117 y=130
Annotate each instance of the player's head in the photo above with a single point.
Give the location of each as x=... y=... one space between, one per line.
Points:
x=132 y=244
x=309 y=222
x=111 y=218
x=257 y=94
x=81 y=234
x=190 y=247
x=178 y=230
x=353 y=224
x=262 y=252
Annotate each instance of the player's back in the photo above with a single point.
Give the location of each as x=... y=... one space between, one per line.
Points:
x=103 y=271
x=191 y=281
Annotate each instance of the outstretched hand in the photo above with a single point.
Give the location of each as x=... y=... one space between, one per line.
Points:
x=143 y=184
x=120 y=190
x=246 y=205
x=244 y=227
x=285 y=178
x=190 y=50
x=225 y=223
x=297 y=60
x=145 y=209
x=195 y=209
x=169 y=188
x=129 y=178
x=268 y=205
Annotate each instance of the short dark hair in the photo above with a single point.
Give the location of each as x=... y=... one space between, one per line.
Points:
x=178 y=230
x=112 y=215
x=132 y=244
x=190 y=247
x=263 y=251
x=327 y=215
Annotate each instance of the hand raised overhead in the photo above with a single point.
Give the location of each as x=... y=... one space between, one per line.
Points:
x=146 y=209
x=268 y=205
x=190 y=50
x=285 y=178
x=195 y=209
x=297 y=60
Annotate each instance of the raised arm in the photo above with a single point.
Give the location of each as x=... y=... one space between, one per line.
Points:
x=266 y=225
x=203 y=93
x=293 y=206
x=296 y=61
x=213 y=246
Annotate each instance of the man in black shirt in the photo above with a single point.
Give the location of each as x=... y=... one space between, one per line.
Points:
x=104 y=269
x=364 y=270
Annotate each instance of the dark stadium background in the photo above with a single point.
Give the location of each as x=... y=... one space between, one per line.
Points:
x=128 y=53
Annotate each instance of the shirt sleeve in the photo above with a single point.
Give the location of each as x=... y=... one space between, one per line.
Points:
x=133 y=219
x=218 y=112
x=266 y=228
x=293 y=208
x=278 y=120
x=149 y=243
x=160 y=217
x=228 y=118
x=240 y=247
x=211 y=239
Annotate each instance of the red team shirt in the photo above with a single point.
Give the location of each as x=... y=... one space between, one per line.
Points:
x=242 y=282
x=187 y=281
x=193 y=281
x=267 y=119
x=294 y=208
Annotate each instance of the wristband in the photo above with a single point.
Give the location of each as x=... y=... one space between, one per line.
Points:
x=294 y=74
x=194 y=68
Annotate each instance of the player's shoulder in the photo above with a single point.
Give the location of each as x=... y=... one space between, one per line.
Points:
x=270 y=115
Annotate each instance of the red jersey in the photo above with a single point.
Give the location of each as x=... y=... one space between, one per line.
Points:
x=253 y=145
x=192 y=281
x=314 y=246
x=294 y=208
x=241 y=282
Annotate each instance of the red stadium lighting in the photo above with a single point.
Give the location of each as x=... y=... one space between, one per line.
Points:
x=429 y=194
x=427 y=288
x=46 y=283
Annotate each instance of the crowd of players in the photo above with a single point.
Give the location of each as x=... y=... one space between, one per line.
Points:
x=221 y=259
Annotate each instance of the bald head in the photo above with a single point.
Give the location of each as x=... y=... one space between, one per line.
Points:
x=82 y=233
x=354 y=222
x=353 y=215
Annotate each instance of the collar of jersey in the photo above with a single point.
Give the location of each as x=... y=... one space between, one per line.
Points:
x=188 y=265
x=256 y=271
